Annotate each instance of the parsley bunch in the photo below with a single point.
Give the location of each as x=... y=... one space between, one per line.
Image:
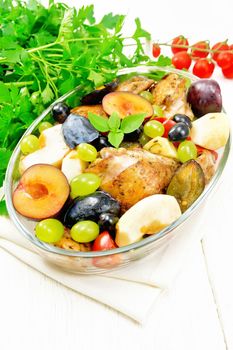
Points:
x=45 y=52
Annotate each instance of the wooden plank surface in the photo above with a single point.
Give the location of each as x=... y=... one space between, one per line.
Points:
x=197 y=314
x=44 y=314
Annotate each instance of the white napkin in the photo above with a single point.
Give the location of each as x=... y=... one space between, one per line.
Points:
x=131 y=290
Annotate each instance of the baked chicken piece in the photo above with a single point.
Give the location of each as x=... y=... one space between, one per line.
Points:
x=207 y=162
x=170 y=94
x=135 y=84
x=130 y=175
x=66 y=242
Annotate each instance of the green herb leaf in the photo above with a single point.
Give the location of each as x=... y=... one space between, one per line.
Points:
x=139 y=32
x=132 y=122
x=99 y=123
x=97 y=78
x=114 y=121
x=3 y=209
x=4 y=93
x=47 y=94
x=115 y=138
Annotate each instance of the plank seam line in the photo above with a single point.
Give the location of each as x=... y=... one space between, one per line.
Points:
x=214 y=295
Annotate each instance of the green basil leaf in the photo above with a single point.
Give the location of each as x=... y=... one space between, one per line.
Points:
x=114 y=121
x=99 y=123
x=132 y=122
x=115 y=138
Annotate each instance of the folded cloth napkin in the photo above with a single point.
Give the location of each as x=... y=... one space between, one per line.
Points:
x=132 y=290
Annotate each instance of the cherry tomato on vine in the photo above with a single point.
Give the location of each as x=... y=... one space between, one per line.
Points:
x=203 y=68
x=228 y=72
x=231 y=47
x=167 y=123
x=181 y=60
x=179 y=41
x=156 y=50
x=221 y=46
x=225 y=59
x=203 y=45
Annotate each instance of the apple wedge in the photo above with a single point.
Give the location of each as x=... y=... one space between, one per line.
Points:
x=147 y=217
x=53 y=149
x=72 y=165
x=211 y=131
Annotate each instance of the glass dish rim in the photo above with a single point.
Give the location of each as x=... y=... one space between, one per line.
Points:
x=137 y=245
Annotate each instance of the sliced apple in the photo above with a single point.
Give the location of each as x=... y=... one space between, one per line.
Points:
x=211 y=131
x=53 y=149
x=72 y=165
x=41 y=193
x=148 y=216
x=161 y=145
x=126 y=103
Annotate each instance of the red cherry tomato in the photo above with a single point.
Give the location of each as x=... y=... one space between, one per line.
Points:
x=231 y=48
x=200 y=54
x=181 y=60
x=200 y=150
x=179 y=41
x=167 y=123
x=203 y=68
x=156 y=50
x=104 y=242
x=221 y=46
x=225 y=59
x=228 y=72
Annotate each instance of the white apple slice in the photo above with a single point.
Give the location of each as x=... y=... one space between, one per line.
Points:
x=161 y=145
x=72 y=165
x=53 y=149
x=52 y=136
x=148 y=216
x=211 y=131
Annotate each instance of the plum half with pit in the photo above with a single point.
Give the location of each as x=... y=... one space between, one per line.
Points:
x=90 y=207
x=204 y=96
x=77 y=129
x=42 y=192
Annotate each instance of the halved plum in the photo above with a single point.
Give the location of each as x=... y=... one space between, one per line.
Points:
x=126 y=103
x=84 y=110
x=42 y=192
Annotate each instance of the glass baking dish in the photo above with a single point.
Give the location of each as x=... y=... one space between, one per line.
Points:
x=94 y=262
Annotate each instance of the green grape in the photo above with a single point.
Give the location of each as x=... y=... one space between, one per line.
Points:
x=158 y=112
x=84 y=231
x=143 y=139
x=84 y=184
x=153 y=128
x=29 y=144
x=49 y=230
x=43 y=126
x=87 y=152
x=147 y=95
x=186 y=151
